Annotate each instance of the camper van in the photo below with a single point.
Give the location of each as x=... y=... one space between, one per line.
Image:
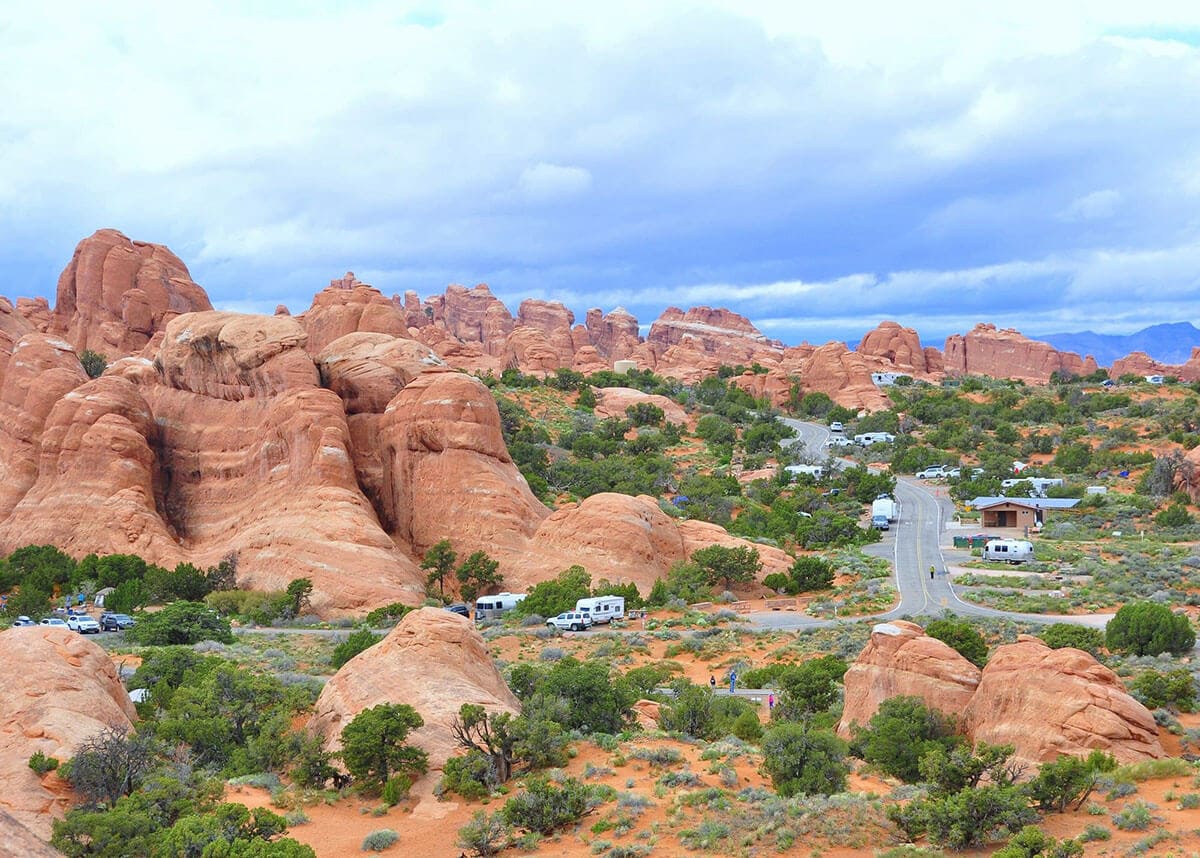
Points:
x=1008 y=550
x=492 y=607
x=602 y=609
x=866 y=439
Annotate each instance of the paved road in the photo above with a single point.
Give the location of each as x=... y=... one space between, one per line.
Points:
x=913 y=544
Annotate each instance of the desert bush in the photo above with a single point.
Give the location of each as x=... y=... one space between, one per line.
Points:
x=485 y=835
x=543 y=807
x=1174 y=690
x=802 y=761
x=961 y=636
x=1060 y=635
x=1134 y=817
x=41 y=763
x=379 y=840
x=901 y=732
x=1146 y=628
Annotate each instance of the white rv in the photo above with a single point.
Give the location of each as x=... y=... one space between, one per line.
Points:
x=817 y=472
x=885 y=506
x=491 y=607
x=1037 y=485
x=602 y=609
x=1008 y=550
x=866 y=439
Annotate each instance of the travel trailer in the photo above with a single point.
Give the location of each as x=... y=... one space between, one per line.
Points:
x=602 y=609
x=1008 y=550
x=492 y=607
x=885 y=506
x=866 y=439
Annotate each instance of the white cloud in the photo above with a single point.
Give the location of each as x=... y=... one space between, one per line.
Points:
x=552 y=181
x=1094 y=206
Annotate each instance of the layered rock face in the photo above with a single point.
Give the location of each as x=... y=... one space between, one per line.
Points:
x=434 y=661
x=1048 y=702
x=1044 y=702
x=900 y=349
x=116 y=293
x=1008 y=354
x=60 y=690
x=901 y=660
x=1140 y=363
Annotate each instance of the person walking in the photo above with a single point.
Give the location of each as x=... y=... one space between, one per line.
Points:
x=770 y=703
x=712 y=682
x=931 y=572
x=732 y=681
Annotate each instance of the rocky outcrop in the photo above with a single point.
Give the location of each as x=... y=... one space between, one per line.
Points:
x=1140 y=363
x=555 y=322
x=897 y=348
x=116 y=293
x=20 y=840
x=473 y=315
x=696 y=339
x=1045 y=702
x=60 y=690
x=612 y=402
x=1048 y=702
x=901 y=660
x=434 y=661
x=842 y=374
x=1008 y=354
x=613 y=335
x=348 y=306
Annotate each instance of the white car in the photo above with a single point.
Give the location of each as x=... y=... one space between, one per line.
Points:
x=55 y=622
x=838 y=441
x=575 y=621
x=83 y=624
x=835 y=426
x=932 y=473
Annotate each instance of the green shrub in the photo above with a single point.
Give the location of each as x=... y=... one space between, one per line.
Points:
x=396 y=789
x=379 y=840
x=1068 y=780
x=473 y=775
x=389 y=614
x=543 y=807
x=961 y=636
x=1174 y=690
x=747 y=727
x=373 y=747
x=41 y=764
x=355 y=643
x=802 y=761
x=1148 y=628
x=1092 y=832
x=1060 y=635
x=180 y=623
x=1134 y=817
x=484 y=835
x=901 y=732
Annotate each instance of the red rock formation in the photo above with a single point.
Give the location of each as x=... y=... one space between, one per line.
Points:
x=59 y=690
x=532 y=351
x=116 y=293
x=685 y=341
x=896 y=347
x=21 y=840
x=1140 y=363
x=473 y=315
x=615 y=335
x=612 y=402
x=901 y=660
x=448 y=473
x=435 y=662
x=554 y=321
x=1048 y=702
x=1008 y=354
x=844 y=375
x=347 y=306
x=36 y=311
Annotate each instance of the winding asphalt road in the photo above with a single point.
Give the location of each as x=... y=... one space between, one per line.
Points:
x=913 y=544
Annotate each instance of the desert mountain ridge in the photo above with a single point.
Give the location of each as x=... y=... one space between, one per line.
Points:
x=341 y=443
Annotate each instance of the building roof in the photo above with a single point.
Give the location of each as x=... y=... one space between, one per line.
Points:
x=1032 y=503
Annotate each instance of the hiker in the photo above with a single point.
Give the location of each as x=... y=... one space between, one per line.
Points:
x=712 y=682
x=771 y=702
x=931 y=571
x=732 y=680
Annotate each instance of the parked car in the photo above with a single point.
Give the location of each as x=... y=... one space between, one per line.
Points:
x=954 y=473
x=55 y=622
x=879 y=522
x=112 y=622
x=932 y=473
x=83 y=624
x=835 y=426
x=23 y=621
x=576 y=621
x=460 y=609
x=838 y=441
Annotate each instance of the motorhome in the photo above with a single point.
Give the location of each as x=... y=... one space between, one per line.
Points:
x=885 y=506
x=1008 y=550
x=817 y=472
x=602 y=609
x=1037 y=485
x=492 y=607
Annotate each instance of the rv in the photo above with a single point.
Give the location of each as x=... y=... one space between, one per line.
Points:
x=817 y=472
x=492 y=607
x=1037 y=485
x=866 y=439
x=886 y=507
x=1008 y=550
x=602 y=609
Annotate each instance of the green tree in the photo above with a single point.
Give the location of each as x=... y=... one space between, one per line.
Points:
x=93 y=363
x=1176 y=515
x=899 y=734
x=808 y=688
x=645 y=414
x=729 y=565
x=695 y=711
x=1060 y=635
x=1148 y=628
x=586 y=399
x=1032 y=842
x=439 y=560
x=299 y=590
x=550 y=598
x=800 y=761
x=357 y=641
x=108 y=765
x=812 y=573
x=181 y=623
x=477 y=574
x=1068 y=781
x=373 y=747
x=962 y=637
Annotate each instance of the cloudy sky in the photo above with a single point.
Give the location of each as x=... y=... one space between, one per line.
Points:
x=817 y=167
